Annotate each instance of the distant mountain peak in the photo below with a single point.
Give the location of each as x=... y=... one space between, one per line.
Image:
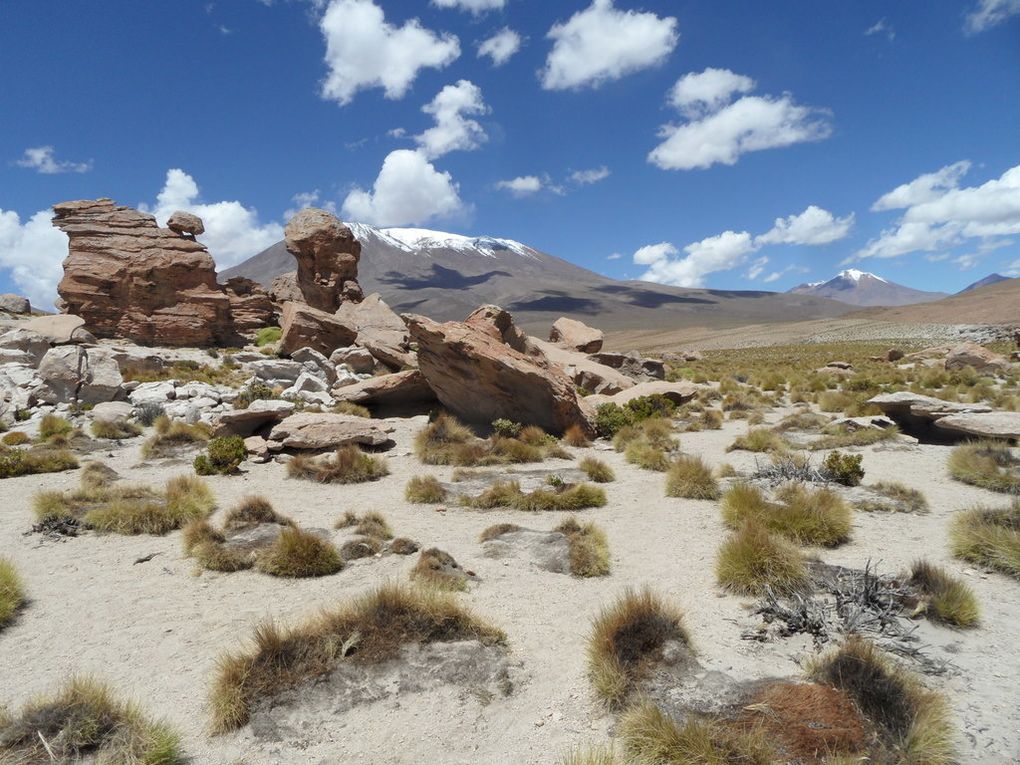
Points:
x=866 y=289
x=421 y=240
x=854 y=275
x=990 y=279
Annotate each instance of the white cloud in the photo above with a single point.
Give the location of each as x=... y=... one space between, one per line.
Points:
x=924 y=188
x=501 y=46
x=305 y=199
x=32 y=252
x=602 y=43
x=654 y=253
x=453 y=130
x=363 y=50
x=1012 y=270
x=233 y=232
x=704 y=92
x=522 y=186
x=408 y=191
x=775 y=276
x=716 y=253
x=42 y=160
x=614 y=256
x=942 y=215
x=476 y=7
x=814 y=226
x=720 y=131
x=990 y=13
x=757 y=268
x=881 y=27
x=588 y=177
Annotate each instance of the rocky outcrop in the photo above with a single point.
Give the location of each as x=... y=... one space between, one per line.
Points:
x=327 y=256
x=185 y=223
x=250 y=305
x=380 y=331
x=933 y=419
x=15 y=304
x=678 y=392
x=284 y=289
x=633 y=364
x=408 y=387
x=480 y=378
x=996 y=425
x=576 y=335
x=307 y=327
x=259 y=414
x=318 y=431
x=61 y=329
x=585 y=373
x=72 y=373
x=499 y=324
x=981 y=359
x=129 y=278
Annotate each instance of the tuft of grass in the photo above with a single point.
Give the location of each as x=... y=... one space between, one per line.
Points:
x=565 y=497
x=349 y=407
x=223 y=456
x=84 y=722
x=404 y=546
x=115 y=430
x=597 y=755
x=903 y=499
x=646 y=455
x=944 y=598
x=348 y=465
x=752 y=561
x=842 y=436
x=142 y=511
x=438 y=569
x=54 y=425
x=12 y=592
x=15 y=438
x=597 y=470
x=805 y=515
x=914 y=721
x=173 y=435
x=758 y=440
x=425 y=490
x=987 y=464
x=268 y=336
x=626 y=638
x=251 y=511
x=498 y=530
x=39 y=459
x=369 y=628
x=689 y=477
x=589 y=548
x=445 y=441
x=299 y=553
x=575 y=436
x=651 y=736
x=988 y=536
x=374 y=525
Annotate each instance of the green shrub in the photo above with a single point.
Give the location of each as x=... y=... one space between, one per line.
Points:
x=223 y=457
x=267 y=336
x=610 y=418
x=646 y=407
x=54 y=425
x=844 y=469
x=255 y=391
x=506 y=428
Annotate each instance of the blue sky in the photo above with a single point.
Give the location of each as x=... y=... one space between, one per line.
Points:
x=883 y=134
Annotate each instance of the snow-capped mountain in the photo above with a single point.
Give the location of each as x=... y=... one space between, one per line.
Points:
x=866 y=289
x=423 y=240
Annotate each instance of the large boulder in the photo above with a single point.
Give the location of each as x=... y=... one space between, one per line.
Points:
x=576 y=335
x=327 y=254
x=318 y=431
x=307 y=327
x=129 y=278
x=60 y=329
x=15 y=304
x=74 y=374
x=185 y=223
x=993 y=425
x=981 y=359
x=585 y=373
x=480 y=379
x=380 y=331
x=250 y=305
x=633 y=364
x=499 y=324
x=260 y=414
x=32 y=345
x=918 y=415
x=407 y=387
x=678 y=392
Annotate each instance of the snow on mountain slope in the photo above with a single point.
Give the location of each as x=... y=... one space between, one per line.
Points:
x=421 y=240
x=866 y=289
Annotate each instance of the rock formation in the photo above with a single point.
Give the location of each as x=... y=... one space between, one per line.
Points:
x=186 y=223
x=380 y=331
x=129 y=278
x=981 y=359
x=327 y=256
x=307 y=327
x=933 y=419
x=15 y=304
x=576 y=335
x=250 y=305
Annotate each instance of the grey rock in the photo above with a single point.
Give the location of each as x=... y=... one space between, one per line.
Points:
x=15 y=304
x=74 y=373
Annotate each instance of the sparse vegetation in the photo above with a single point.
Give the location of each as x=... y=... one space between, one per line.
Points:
x=840 y=436
x=254 y=391
x=438 y=569
x=445 y=441
x=185 y=370
x=40 y=459
x=148 y=412
x=988 y=464
x=498 y=530
x=690 y=478
x=54 y=425
x=299 y=553
x=348 y=465
x=989 y=536
x=348 y=407
x=84 y=722
x=369 y=628
x=576 y=437
x=758 y=440
x=901 y=499
x=589 y=548
x=844 y=469
x=506 y=428
x=268 y=336
x=223 y=456
x=115 y=430
x=626 y=638
x=944 y=598
x=172 y=436
x=565 y=497
x=15 y=438
x=12 y=592
x=752 y=561
x=805 y=515
x=425 y=490
x=597 y=470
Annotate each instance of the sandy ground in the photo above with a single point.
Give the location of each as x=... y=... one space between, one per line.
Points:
x=154 y=630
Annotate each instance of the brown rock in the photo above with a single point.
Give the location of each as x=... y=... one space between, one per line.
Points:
x=327 y=256
x=893 y=354
x=576 y=335
x=285 y=289
x=259 y=415
x=408 y=387
x=185 y=223
x=974 y=355
x=380 y=330
x=250 y=305
x=129 y=278
x=314 y=431
x=15 y=303
x=585 y=373
x=480 y=379
x=307 y=327
x=498 y=324
x=60 y=329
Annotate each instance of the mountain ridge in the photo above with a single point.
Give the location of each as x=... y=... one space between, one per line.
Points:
x=865 y=289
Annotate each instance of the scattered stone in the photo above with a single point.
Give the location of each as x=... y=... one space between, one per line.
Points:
x=15 y=304
x=327 y=254
x=186 y=223
x=304 y=326
x=258 y=448
x=357 y=359
x=576 y=335
x=153 y=393
x=318 y=431
x=112 y=411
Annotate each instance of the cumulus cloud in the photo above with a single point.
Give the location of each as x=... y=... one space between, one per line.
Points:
x=475 y=7
x=32 y=253
x=453 y=130
x=601 y=43
x=814 y=226
x=408 y=191
x=501 y=46
x=42 y=159
x=363 y=50
x=588 y=177
x=653 y=253
x=522 y=186
x=990 y=13
x=720 y=130
x=939 y=214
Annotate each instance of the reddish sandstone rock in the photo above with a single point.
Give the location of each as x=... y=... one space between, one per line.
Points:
x=306 y=327
x=185 y=223
x=576 y=335
x=380 y=331
x=327 y=256
x=129 y=278
x=499 y=324
x=284 y=289
x=250 y=305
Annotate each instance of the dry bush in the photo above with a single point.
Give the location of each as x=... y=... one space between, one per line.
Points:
x=250 y=511
x=597 y=470
x=840 y=436
x=348 y=465
x=591 y=756
x=805 y=515
x=15 y=438
x=626 y=638
x=689 y=477
x=564 y=497
x=646 y=455
x=498 y=530
x=39 y=459
x=988 y=464
x=54 y=425
x=758 y=440
x=173 y=435
x=752 y=561
x=404 y=546
x=103 y=505
x=83 y=722
x=988 y=536
x=589 y=548
x=349 y=407
x=914 y=721
x=437 y=568
x=445 y=441
x=575 y=436
x=424 y=490
x=902 y=499
x=299 y=553
x=656 y=432
x=374 y=525
x=115 y=430
x=944 y=598
x=801 y=421
x=12 y=592
x=369 y=628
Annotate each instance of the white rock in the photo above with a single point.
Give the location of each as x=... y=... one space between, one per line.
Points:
x=153 y=392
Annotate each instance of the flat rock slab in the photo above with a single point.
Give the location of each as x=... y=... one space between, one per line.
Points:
x=677 y=392
x=529 y=480
x=546 y=550
x=983 y=425
x=245 y=422
x=324 y=430
x=397 y=388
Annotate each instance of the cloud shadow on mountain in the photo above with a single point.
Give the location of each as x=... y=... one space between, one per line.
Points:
x=558 y=301
x=440 y=278
x=649 y=298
